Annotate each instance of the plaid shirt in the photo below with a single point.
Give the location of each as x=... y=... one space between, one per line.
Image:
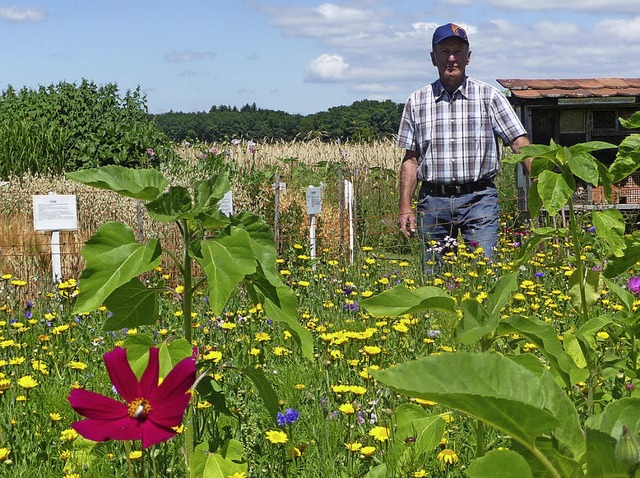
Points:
x=456 y=134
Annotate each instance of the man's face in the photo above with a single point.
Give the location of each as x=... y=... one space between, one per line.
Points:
x=451 y=57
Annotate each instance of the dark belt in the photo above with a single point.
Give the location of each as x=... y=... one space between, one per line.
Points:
x=458 y=189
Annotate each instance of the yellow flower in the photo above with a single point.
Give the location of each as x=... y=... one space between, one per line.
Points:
x=135 y=455
x=353 y=447
x=276 y=436
x=19 y=283
x=347 y=409
x=367 y=451
x=77 y=365
x=55 y=417
x=238 y=474
x=447 y=457
x=65 y=455
x=215 y=356
x=5 y=384
x=255 y=352
x=27 y=382
x=299 y=386
x=371 y=349
x=68 y=435
x=383 y=280
x=179 y=289
x=602 y=335
x=419 y=474
x=263 y=337
x=357 y=390
x=4 y=453
x=379 y=433
x=303 y=283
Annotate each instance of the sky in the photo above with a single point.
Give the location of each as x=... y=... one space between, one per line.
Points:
x=304 y=56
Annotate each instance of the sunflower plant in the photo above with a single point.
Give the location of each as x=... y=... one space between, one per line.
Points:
x=529 y=400
x=231 y=250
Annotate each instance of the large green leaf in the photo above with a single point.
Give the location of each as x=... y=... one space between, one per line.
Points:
x=226 y=260
x=131 y=305
x=489 y=387
x=209 y=192
x=113 y=258
x=610 y=226
x=280 y=304
x=592 y=283
x=170 y=353
x=627 y=159
x=262 y=244
x=502 y=463
x=171 y=206
x=584 y=166
x=555 y=190
x=226 y=462
x=534 y=202
x=632 y=122
x=145 y=184
x=591 y=146
x=400 y=300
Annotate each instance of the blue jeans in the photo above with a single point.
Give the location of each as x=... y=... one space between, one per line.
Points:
x=441 y=218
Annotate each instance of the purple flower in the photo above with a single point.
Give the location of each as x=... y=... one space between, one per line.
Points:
x=433 y=334
x=539 y=274
x=151 y=152
x=634 y=285
x=289 y=416
x=352 y=306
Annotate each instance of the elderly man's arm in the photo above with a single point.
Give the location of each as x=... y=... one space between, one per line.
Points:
x=518 y=143
x=408 y=185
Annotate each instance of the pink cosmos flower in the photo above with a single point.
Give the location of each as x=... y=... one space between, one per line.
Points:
x=150 y=409
x=634 y=285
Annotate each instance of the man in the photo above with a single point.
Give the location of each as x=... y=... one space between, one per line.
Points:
x=449 y=130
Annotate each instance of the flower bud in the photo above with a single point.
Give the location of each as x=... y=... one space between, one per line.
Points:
x=627 y=449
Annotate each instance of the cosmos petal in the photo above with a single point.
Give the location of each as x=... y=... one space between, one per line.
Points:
x=93 y=405
x=121 y=375
x=170 y=414
x=177 y=382
x=149 y=379
x=153 y=433
x=124 y=428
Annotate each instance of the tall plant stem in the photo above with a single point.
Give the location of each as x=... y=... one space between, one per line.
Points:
x=577 y=251
x=187 y=303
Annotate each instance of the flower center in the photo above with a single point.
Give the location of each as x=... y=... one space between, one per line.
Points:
x=139 y=408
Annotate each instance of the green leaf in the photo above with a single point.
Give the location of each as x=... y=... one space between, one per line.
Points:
x=265 y=390
x=205 y=464
x=545 y=337
x=610 y=226
x=280 y=304
x=399 y=300
x=144 y=184
x=262 y=245
x=555 y=190
x=584 y=166
x=379 y=471
x=210 y=390
x=626 y=298
x=603 y=431
x=138 y=352
x=589 y=146
x=534 y=202
x=488 y=387
x=629 y=258
x=226 y=260
x=171 y=206
x=209 y=192
x=631 y=123
x=593 y=282
x=132 y=305
x=503 y=463
x=423 y=430
x=627 y=159
x=113 y=258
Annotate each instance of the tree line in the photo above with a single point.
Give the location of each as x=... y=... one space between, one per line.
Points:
x=365 y=120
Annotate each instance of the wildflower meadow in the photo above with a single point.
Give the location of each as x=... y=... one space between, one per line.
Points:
x=217 y=352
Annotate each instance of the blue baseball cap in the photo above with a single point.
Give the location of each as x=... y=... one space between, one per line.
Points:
x=449 y=30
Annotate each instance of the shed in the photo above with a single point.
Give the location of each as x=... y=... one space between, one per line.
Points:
x=575 y=110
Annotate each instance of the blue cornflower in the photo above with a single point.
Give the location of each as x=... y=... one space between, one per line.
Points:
x=539 y=274
x=289 y=416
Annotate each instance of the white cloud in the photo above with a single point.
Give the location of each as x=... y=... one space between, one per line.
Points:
x=326 y=68
x=625 y=30
x=187 y=56
x=610 y=6
x=22 y=15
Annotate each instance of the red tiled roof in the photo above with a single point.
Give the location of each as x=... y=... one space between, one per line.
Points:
x=571 y=87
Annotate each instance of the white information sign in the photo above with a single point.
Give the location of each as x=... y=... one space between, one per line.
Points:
x=226 y=204
x=314 y=200
x=55 y=213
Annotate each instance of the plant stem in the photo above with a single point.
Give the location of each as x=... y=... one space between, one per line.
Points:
x=479 y=439
x=127 y=449
x=577 y=251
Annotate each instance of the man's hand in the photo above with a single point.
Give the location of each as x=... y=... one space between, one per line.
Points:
x=407 y=223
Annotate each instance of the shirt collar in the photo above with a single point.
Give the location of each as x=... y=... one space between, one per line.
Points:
x=439 y=92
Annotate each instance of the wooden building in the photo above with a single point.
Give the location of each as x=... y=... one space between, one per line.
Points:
x=571 y=111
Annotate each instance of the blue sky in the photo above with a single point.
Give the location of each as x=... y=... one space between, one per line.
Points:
x=304 y=56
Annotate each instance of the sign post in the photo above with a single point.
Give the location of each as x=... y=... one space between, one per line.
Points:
x=314 y=207
x=55 y=213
